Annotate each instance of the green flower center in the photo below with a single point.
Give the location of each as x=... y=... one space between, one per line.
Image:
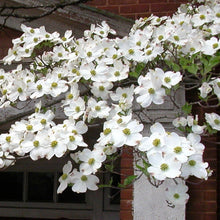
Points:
x=167 y=79
x=89 y=54
x=176 y=196
x=202 y=17
x=93 y=72
x=64 y=176
x=124 y=95
x=84 y=178
x=39 y=87
x=97 y=108
x=156 y=142
x=54 y=84
x=151 y=91
x=107 y=131
x=43 y=121
x=20 y=90
x=72 y=138
x=138 y=43
x=91 y=161
x=64 y=39
x=176 y=38
x=215 y=45
x=29 y=127
x=60 y=54
x=164 y=167
x=8 y=138
x=177 y=150
x=127 y=131
x=119 y=121
x=54 y=143
x=217 y=122
x=115 y=56
x=77 y=109
x=74 y=132
x=131 y=51
x=101 y=88
x=117 y=73
x=70 y=96
x=160 y=37
x=36 y=143
x=4 y=92
x=149 y=52
x=192 y=163
x=35 y=40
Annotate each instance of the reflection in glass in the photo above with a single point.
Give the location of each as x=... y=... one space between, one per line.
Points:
x=40 y=187
x=11 y=186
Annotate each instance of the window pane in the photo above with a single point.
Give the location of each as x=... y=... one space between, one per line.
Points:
x=115 y=193
x=11 y=186
x=68 y=196
x=40 y=187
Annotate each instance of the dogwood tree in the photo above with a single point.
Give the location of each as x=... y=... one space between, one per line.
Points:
x=102 y=80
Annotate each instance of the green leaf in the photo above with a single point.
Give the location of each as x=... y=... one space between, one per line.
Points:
x=138 y=69
x=172 y=65
x=193 y=68
x=106 y=185
x=187 y=108
x=144 y=169
x=109 y=167
x=133 y=74
x=129 y=180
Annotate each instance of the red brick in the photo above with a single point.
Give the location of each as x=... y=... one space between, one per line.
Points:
x=126 y=215
x=126 y=204
x=210 y=196
x=193 y=216
x=127 y=152
x=164 y=7
x=122 y=2
x=126 y=193
x=113 y=9
x=153 y=1
x=210 y=216
x=134 y=9
x=203 y=207
x=131 y=16
x=127 y=163
x=97 y=2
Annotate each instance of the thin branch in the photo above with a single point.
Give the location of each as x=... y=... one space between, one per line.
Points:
x=13 y=11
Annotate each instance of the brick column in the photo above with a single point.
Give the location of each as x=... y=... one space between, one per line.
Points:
x=126 y=207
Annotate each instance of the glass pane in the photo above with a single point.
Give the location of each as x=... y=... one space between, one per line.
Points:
x=11 y=186
x=68 y=196
x=40 y=187
x=115 y=193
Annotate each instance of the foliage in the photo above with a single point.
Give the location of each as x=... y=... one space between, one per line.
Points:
x=111 y=83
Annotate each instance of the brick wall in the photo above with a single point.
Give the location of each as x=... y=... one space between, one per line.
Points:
x=6 y=35
x=138 y=8
x=203 y=202
x=203 y=196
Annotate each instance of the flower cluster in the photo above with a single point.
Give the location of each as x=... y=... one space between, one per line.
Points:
x=109 y=82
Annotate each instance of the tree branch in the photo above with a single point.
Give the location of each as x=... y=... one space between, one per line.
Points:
x=8 y=11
